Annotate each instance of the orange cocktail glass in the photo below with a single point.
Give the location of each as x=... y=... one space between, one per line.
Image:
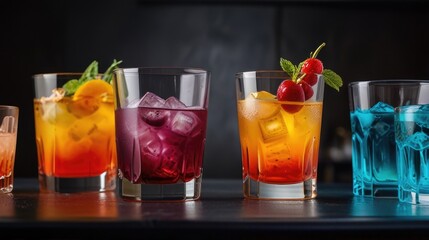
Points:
x=283 y=148
x=75 y=135
x=280 y=149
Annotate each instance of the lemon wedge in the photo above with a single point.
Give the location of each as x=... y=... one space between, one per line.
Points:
x=263 y=95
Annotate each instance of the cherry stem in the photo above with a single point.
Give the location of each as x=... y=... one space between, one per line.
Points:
x=318 y=50
x=300 y=78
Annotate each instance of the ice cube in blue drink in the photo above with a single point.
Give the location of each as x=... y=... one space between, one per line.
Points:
x=422 y=116
x=418 y=141
x=413 y=116
x=363 y=119
x=382 y=107
x=381 y=128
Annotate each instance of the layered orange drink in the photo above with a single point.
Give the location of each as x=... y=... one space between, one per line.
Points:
x=277 y=146
x=75 y=136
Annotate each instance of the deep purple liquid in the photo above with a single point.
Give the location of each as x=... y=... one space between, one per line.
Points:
x=156 y=145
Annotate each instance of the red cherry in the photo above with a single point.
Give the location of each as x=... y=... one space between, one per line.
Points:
x=308 y=91
x=312 y=65
x=310 y=78
x=292 y=92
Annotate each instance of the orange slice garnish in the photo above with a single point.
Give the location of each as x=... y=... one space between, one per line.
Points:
x=93 y=88
x=88 y=97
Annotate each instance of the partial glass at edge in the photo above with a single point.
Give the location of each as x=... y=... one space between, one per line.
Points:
x=412 y=142
x=374 y=157
x=8 y=135
x=161 y=143
x=279 y=149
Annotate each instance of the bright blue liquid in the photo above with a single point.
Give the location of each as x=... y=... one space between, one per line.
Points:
x=373 y=153
x=412 y=140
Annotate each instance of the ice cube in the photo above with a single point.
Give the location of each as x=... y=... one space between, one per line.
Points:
x=56 y=113
x=7 y=148
x=150 y=151
x=403 y=129
x=258 y=105
x=273 y=128
x=81 y=128
x=309 y=118
x=382 y=107
x=364 y=119
x=152 y=100
x=424 y=108
x=174 y=103
x=7 y=125
x=381 y=128
x=57 y=95
x=275 y=151
x=133 y=103
x=170 y=137
x=186 y=124
x=172 y=158
x=154 y=117
x=421 y=116
x=418 y=141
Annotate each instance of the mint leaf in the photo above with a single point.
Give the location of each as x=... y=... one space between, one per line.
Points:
x=298 y=72
x=90 y=72
x=71 y=86
x=332 y=79
x=288 y=67
x=108 y=75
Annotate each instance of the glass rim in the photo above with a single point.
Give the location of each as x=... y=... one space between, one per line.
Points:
x=158 y=70
x=387 y=81
x=9 y=107
x=65 y=74
x=261 y=73
x=264 y=74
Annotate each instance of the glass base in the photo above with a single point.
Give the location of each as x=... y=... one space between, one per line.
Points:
x=259 y=190
x=101 y=183
x=6 y=184
x=413 y=197
x=375 y=190
x=181 y=191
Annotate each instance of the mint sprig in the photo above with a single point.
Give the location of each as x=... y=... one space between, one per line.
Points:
x=288 y=67
x=291 y=69
x=108 y=75
x=90 y=73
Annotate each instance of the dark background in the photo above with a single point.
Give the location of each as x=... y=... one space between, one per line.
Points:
x=365 y=40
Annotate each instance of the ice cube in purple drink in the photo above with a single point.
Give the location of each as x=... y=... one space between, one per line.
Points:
x=151 y=100
x=174 y=103
x=154 y=117
x=186 y=124
x=169 y=137
x=171 y=166
x=150 y=151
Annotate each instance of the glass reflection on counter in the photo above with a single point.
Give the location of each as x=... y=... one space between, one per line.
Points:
x=72 y=206
x=7 y=206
